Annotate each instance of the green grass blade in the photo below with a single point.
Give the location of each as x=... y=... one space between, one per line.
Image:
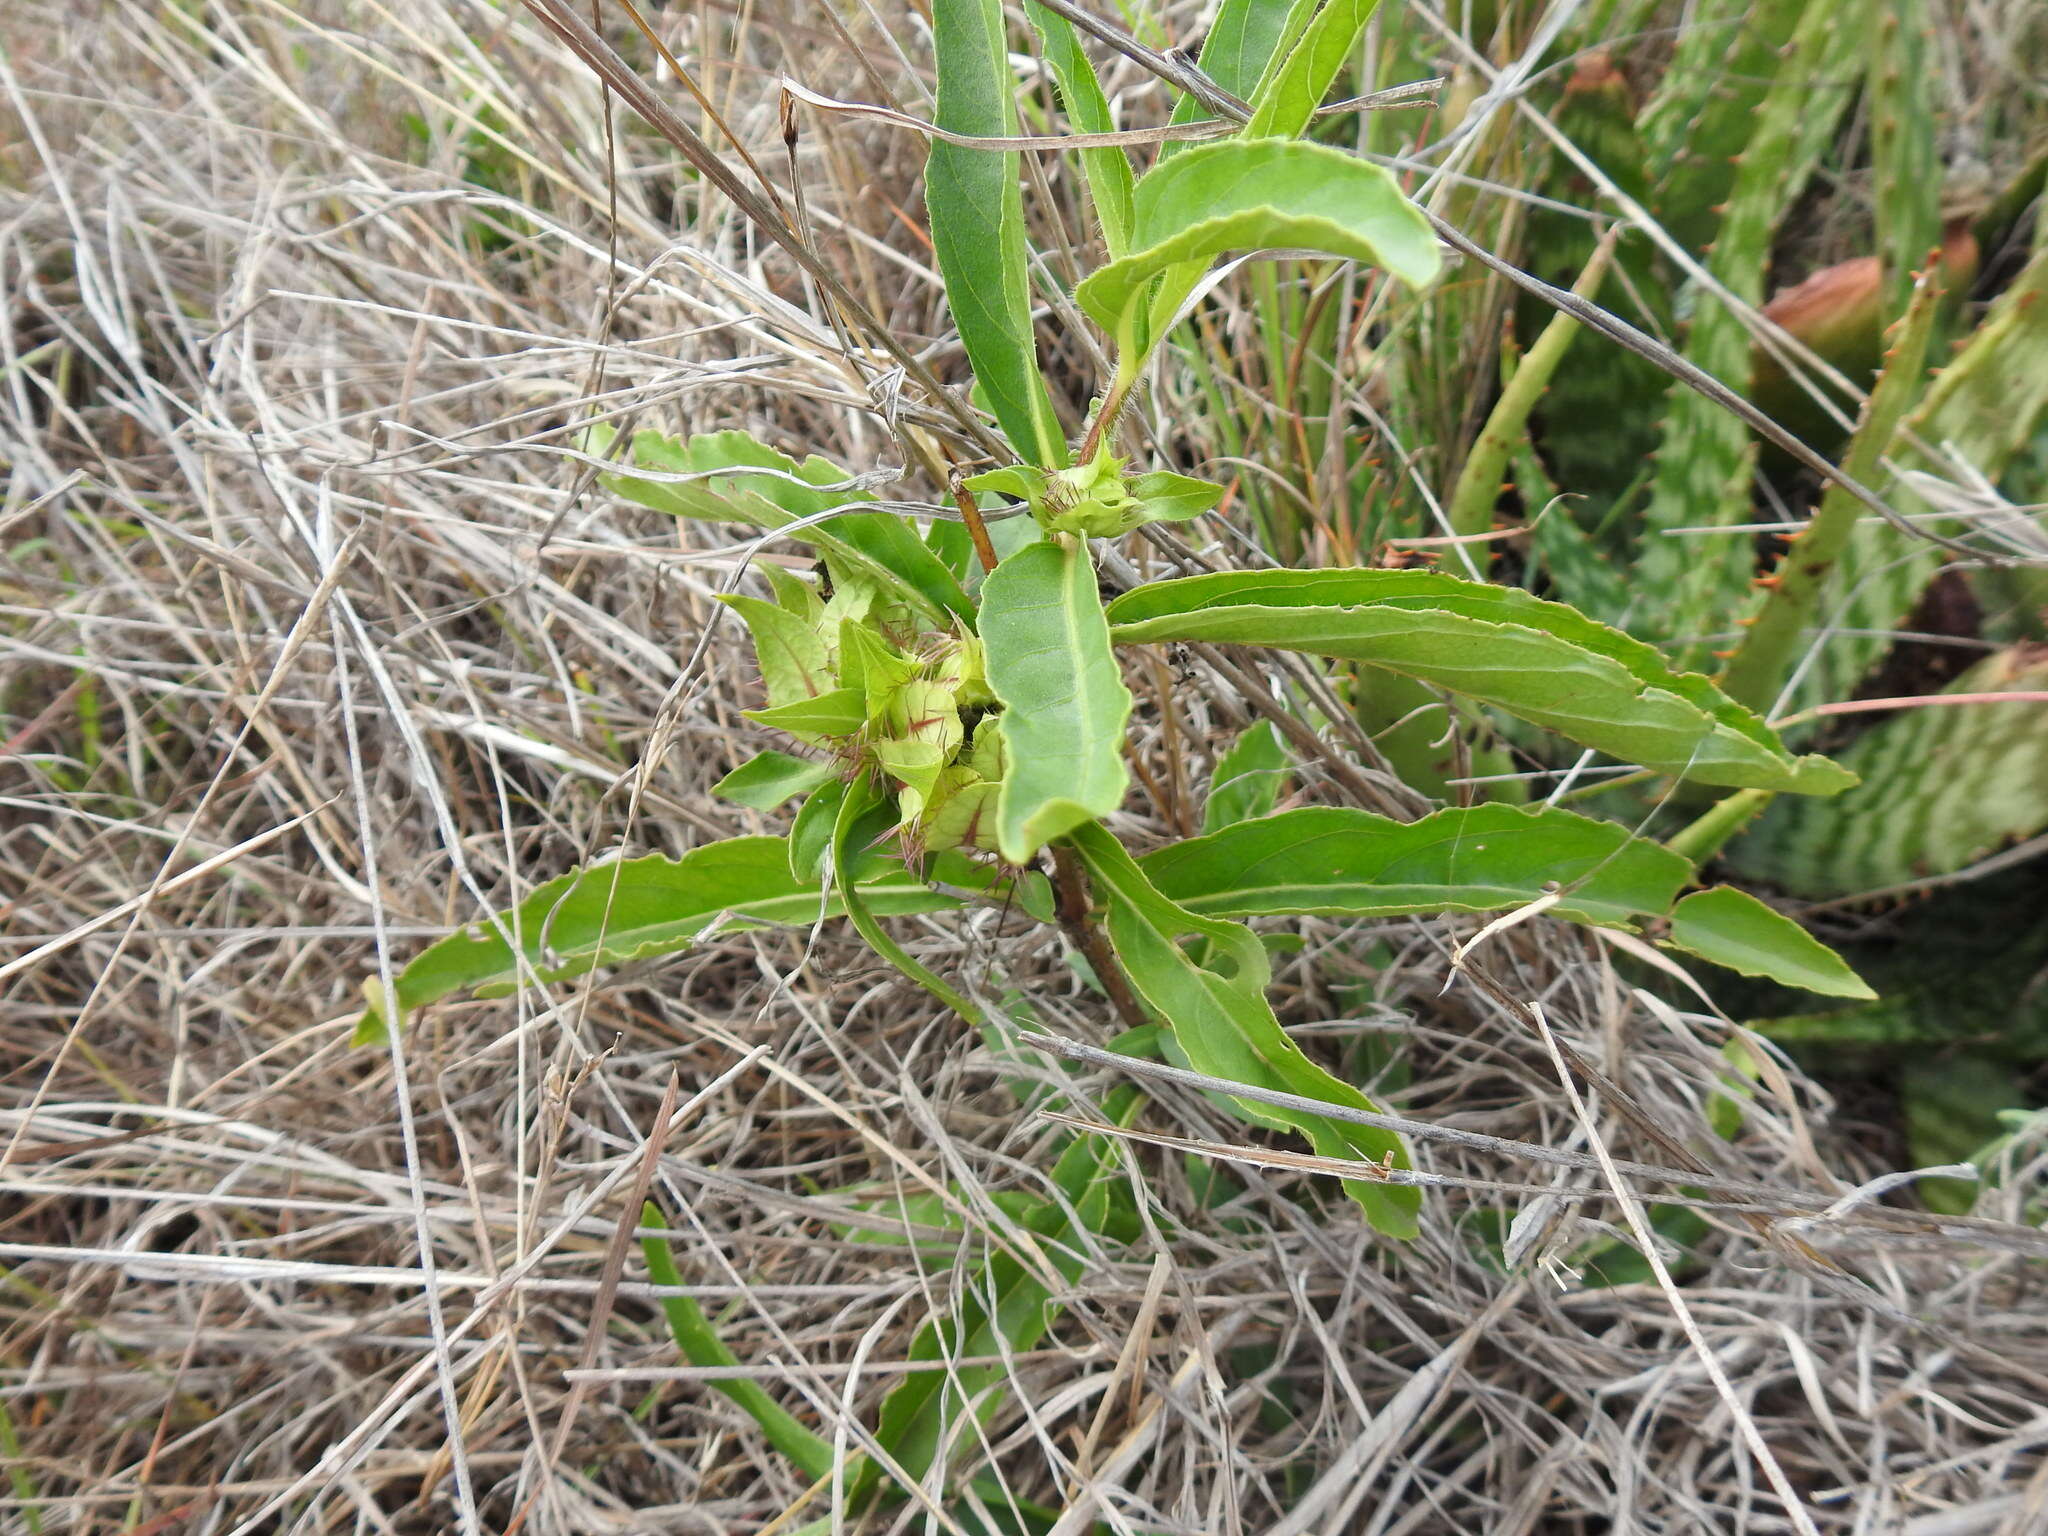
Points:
x=977 y=226
x=701 y=1345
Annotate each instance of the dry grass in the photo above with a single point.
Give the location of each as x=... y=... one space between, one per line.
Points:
x=315 y=639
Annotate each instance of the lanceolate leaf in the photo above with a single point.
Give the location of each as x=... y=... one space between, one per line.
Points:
x=1249 y=778
x=1733 y=928
x=1256 y=195
x=1220 y=1023
x=767 y=779
x=611 y=913
x=1285 y=102
x=1065 y=704
x=1108 y=170
x=1537 y=660
x=977 y=224
x=1349 y=863
x=1240 y=47
x=765 y=489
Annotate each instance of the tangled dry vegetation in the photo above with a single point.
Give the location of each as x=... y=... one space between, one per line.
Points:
x=316 y=639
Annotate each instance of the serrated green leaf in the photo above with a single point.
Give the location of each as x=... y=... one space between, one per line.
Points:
x=1732 y=928
x=1220 y=1023
x=1245 y=194
x=1065 y=703
x=790 y=654
x=977 y=225
x=828 y=717
x=767 y=779
x=611 y=913
x=1249 y=778
x=1539 y=661
x=1350 y=863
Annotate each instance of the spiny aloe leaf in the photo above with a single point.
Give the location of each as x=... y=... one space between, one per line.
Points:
x=1765 y=656
x=1349 y=863
x=1942 y=787
x=1732 y=928
x=1706 y=463
x=1260 y=194
x=1065 y=704
x=1705 y=107
x=977 y=225
x=1539 y=661
x=1985 y=407
x=1220 y=1023
x=607 y=914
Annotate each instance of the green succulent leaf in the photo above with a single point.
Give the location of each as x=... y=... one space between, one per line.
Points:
x=1340 y=862
x=607 y=914
x=1942 y=787
x=1065 y=703
x=768 y=779
x=1261 y=195
x=1732 y=928
x=1220 y=1022
x=1539 y=661
x=810 y=835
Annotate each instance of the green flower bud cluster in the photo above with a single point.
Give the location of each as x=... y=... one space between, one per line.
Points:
x=849 y=672
x=1096 y=501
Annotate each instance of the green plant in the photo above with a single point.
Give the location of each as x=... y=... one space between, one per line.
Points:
x=959 y=688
